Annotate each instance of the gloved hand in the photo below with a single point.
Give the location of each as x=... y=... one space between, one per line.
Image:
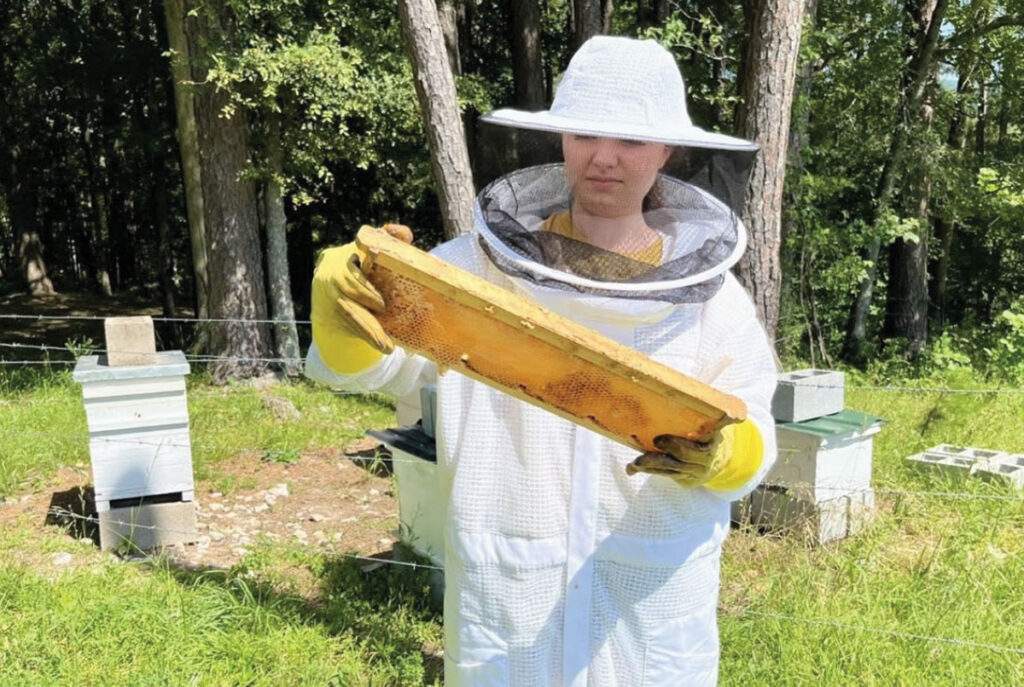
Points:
x=726 y=461
x=347 y=334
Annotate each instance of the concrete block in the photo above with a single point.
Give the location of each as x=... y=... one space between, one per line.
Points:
x=795 y=512
x=148 y=526
x=130 y=341
x=1008 y=468
x=807 y=394
x=971 y=461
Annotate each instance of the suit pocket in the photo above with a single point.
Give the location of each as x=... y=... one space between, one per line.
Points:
x=480 y=659
x=684 y=652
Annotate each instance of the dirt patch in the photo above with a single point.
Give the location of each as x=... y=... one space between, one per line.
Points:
x=327 y=500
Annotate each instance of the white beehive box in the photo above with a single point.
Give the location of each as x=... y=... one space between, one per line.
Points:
x=421 y=506
x=828 y=456
x=421 y=510
x=138 y=428
x=807 y=394
x=821 y=481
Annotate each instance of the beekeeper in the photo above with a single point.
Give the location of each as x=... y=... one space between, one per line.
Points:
x=570 y=560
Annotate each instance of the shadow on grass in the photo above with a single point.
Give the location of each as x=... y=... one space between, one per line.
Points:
x=74 y=511
x=383 y=606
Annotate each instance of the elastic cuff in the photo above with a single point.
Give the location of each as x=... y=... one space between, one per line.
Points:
x=344 y=354
x=747 y=457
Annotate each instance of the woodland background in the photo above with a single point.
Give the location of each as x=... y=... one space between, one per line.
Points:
x=199 y=155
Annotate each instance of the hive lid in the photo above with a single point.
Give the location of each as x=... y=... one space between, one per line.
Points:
x=838 y=424
x=94 y=368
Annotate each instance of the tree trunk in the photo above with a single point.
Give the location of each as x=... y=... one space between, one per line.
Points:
x=906 y=311
x=923 y=22
x=448 y=15
x=188 y=144
x=662 y=9
x=943 y=226
x=802 y=96
x=588 y=19
x=435 y=89
x=239 y=336
x=527 y=68
x=282 y=310
x=766 y=87
x=30 y=254
x=979 y=129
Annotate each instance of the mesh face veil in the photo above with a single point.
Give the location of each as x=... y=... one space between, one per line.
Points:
x=613 y=217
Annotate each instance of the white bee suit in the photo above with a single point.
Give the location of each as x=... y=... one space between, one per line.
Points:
x=560 y=568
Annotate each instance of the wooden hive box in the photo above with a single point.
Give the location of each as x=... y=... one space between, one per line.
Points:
x=465 y=323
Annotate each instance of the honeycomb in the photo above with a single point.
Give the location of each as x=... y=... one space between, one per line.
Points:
x=454 y=319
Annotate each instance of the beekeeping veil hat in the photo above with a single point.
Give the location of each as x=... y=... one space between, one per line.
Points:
x=630 y=91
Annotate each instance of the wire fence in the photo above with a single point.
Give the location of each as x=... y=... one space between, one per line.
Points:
x=206 y=358
x=838 y=487
x=376 y=561
x=846 y=488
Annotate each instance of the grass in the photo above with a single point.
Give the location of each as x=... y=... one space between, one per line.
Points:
x=42 y=425
x=128 y=624
x=928 y=566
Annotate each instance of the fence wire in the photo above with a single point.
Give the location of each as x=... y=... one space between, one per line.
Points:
x=846 y=488
x=744 y=613
x=837 y=487
x=204 y=358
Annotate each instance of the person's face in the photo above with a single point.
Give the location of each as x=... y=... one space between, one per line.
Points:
x=610 y=176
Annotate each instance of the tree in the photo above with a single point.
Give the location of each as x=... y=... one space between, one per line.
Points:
x=766 y=87
x=435 y=89
x=282 y=310
x=188 y=146
x=527 y=67
x=236 y=292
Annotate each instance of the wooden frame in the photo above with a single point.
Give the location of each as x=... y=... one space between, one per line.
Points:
x=465 y=323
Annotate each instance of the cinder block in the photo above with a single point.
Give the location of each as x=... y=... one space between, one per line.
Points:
x=148 y=526
x=968 y=460
x=807 y=394
x=794 y=511
x=130 y=341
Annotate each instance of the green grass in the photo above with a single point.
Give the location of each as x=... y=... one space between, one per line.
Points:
x=42 y=425
x=129 y=624
x=928 y=565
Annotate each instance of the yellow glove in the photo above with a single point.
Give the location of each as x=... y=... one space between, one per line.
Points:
x=725 y=462
x=345 y=330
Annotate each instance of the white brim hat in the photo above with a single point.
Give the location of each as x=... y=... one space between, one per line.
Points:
x=620 y=87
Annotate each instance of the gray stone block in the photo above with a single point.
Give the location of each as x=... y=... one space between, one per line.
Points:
x=806 y=394
x=968 y=460
x=130 y=341
x=148 y=526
